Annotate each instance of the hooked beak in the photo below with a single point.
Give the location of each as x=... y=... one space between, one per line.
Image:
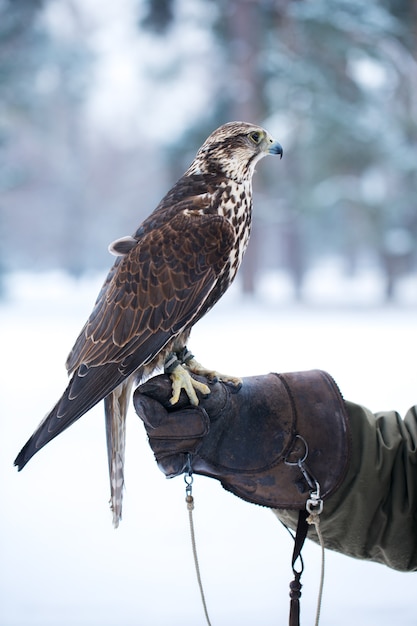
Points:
x=276 y=148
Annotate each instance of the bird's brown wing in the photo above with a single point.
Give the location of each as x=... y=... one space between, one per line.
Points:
x=154 y=291
x=152 y=294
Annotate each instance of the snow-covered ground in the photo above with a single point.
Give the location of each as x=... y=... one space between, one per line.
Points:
x=62 y=564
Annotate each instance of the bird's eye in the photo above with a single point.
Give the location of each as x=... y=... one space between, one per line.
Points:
x=256 y=137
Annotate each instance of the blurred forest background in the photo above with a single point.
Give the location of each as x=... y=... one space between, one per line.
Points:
x=104 y=104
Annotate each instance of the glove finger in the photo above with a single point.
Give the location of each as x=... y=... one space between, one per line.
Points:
x=160 y=388
x=150 y=411
x=173 y=464
x=187 y=423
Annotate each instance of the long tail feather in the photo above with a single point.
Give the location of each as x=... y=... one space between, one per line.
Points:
x=115 y=406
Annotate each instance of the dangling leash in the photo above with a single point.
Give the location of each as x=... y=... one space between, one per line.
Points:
x=308 y=516
x=295 y=585
x=188 y=478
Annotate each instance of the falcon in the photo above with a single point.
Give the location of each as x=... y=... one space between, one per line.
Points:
x=166 y=276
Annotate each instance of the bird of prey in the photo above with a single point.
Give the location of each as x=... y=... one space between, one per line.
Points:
x=166 y=276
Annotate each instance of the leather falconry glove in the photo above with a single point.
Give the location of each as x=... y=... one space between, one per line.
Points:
x=271 y=442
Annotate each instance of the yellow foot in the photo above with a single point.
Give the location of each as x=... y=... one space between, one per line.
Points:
x=195 y=367
x=182 y=379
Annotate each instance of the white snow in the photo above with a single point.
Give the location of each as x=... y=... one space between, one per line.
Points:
x=61 y=561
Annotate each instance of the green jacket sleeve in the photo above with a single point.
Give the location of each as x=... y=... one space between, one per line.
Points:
x=373 y=514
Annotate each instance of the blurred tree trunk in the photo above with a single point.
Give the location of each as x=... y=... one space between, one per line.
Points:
x=244 y=30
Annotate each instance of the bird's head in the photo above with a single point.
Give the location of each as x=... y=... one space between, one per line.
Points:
x=234 y=149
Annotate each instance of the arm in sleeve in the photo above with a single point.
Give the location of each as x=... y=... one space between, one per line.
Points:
x=372 y=515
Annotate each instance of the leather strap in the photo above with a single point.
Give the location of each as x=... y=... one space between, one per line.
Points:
x=295 y=585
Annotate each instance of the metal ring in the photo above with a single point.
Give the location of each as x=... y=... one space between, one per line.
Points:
x=314 y=506
x=299 y=462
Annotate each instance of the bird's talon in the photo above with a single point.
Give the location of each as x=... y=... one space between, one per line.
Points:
x=182 y=379
x=212 y=375
x=234 y=385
